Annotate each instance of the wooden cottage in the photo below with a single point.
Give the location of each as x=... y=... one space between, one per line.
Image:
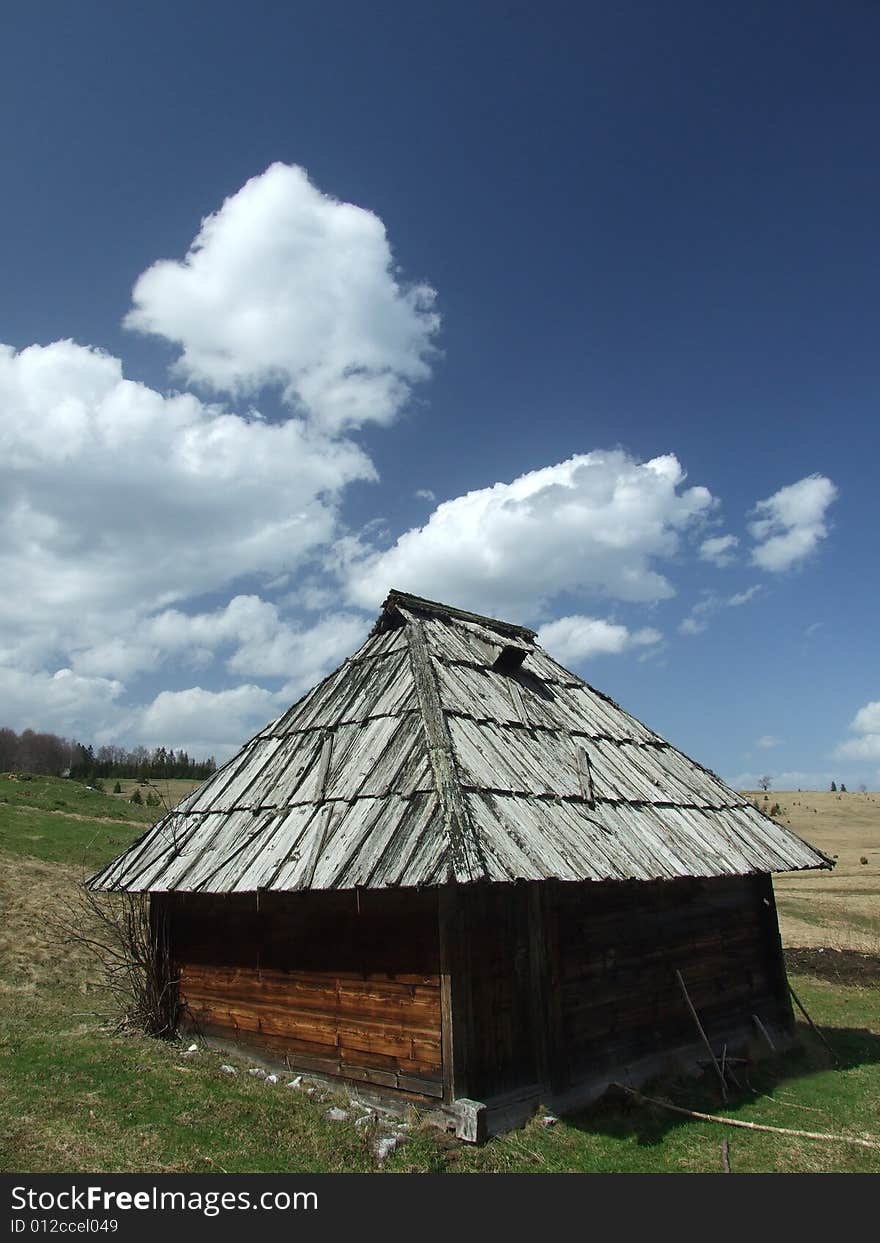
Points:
x=455 y=874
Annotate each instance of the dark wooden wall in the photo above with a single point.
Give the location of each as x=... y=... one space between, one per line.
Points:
x=337 y=983
x=569 y=981
x=620 y=948
x=549 y=984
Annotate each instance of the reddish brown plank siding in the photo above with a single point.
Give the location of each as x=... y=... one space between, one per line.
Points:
x=348 y=988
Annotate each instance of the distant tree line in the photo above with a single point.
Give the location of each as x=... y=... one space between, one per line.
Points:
x=34 y=752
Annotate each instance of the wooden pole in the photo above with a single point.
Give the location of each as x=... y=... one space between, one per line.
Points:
x=800 y=1006
x=705 y=1038
x=749 y=1126
x=763 y=1030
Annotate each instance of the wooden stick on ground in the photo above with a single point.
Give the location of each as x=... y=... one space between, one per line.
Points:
x=705 y=1038
x=800 y=1006
x=749 y=1126
x=725 y=1157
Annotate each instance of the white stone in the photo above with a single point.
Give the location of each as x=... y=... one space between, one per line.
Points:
x=337 y=1115
x=386 y=1145
x=228 y=1070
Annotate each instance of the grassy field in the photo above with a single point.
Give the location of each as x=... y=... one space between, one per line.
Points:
x=839 y=909
x=75 y=1095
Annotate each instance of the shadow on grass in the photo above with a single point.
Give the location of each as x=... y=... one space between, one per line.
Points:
x=620 y=1116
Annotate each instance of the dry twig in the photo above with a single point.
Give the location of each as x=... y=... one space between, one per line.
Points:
x=750 y=1126
x=132 y=955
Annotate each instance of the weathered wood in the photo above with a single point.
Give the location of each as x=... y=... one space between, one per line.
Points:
x=557 y=1047
x=763 y=1030
x=773 y=954
x=539 y=967
x=585 y=775
x=815 y=1029
x=371 y=1026
x=470 y=1120
x=465 y=851
x=456 y=1016
x=317 y=845
x=703 y=1035
x=750 y=1126
x=519 y=706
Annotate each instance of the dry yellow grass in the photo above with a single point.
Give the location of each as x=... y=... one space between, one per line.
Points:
x=838 y=909
x=169 y=792
x=33 y=956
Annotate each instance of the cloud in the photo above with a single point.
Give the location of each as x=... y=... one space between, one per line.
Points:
x=130 y=516
x=577 y=638
x=205 y=722
x=254 y=633
x=866 y=724
x=286 y=286
x=719 y=549
x=792 y=779
x=593 y=524
x=63 y=702
x=424 y=494
x=791 y=523
x=768 y=741
x=301 y=655
x=698 y=619
x=116 y=500
x=742 y=597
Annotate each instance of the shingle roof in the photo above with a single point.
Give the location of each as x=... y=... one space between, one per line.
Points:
x=451 y=747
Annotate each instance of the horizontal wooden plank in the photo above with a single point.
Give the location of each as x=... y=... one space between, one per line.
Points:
x=383 y=1042
x=345 y=1063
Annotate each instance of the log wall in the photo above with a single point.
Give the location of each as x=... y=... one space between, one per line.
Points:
x=338 y=983
x=620 y=947
x=569 y=981
x=554 y=984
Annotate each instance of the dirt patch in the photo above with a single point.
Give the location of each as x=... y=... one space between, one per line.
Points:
x=839 y=966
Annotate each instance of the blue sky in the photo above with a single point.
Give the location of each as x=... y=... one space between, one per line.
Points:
x=567 y=313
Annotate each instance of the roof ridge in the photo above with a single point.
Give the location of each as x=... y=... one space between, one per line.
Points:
x=466 y=860
x=435 y=608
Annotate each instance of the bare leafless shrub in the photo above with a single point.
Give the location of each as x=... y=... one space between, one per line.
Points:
x=131 y=954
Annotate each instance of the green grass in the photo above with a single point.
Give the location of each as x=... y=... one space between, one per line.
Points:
x=77 y=1096
x=66 y=822
x=71 y=797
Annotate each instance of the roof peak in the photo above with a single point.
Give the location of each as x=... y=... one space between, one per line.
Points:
x=396 y=600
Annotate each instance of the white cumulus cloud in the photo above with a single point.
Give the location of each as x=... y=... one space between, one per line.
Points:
x=287 y=286
x=576 y=638
x=719 y=549
x=866 y=726
x=63 y=702
x=594 y=524
x=790 y=523
x=205 y=722
x=115 y=499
